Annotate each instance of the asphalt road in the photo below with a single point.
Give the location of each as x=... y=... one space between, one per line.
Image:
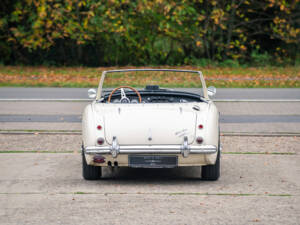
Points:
x=236 y=117
x=223 y=118
x=81 y=93
x=278 y=117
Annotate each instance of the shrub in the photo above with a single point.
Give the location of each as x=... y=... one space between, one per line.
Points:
x=259 y=59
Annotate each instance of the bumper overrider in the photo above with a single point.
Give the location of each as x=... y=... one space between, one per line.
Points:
x=185 y=149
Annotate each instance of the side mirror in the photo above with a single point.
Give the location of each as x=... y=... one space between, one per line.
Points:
x=92 y=93
x=211 y=91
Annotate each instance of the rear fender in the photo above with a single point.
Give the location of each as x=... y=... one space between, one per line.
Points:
x=212 y=131
x=88 y=126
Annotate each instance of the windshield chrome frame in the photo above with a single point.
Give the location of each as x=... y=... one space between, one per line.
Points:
x=100 y=87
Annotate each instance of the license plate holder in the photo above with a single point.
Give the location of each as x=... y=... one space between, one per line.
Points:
x=152 y=161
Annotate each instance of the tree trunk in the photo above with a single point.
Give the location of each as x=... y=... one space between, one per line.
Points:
x=230 y=26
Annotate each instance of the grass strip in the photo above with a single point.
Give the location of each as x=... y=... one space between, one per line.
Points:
x=33 y=151
x=38 y=131
x=232 y=194
x=250 y=77
x=259 y=153
x=78 y=132
x=226 y=153
x=153 y=193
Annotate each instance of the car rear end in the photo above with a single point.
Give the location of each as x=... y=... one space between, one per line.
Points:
x=151 y=135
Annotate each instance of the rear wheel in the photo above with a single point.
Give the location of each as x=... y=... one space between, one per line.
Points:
x=90 y=172
x=212 y=172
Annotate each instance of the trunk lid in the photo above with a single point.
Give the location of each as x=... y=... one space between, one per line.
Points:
x=149 y=126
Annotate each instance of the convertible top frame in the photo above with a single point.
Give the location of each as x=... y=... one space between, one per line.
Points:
x=100 y=87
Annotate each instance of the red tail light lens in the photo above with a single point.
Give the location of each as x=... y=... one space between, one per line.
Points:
x=99 y=159
x=99 y=127
x=199 y=140
x=100 y=141
x=200 y=126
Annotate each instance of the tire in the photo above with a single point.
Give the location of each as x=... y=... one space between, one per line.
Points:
x=90 y=172
x=212 y=172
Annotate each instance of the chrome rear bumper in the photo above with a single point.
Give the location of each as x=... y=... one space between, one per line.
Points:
x=185 y=149
x=151 y=149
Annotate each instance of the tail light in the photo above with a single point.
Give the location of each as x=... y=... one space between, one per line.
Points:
x=199 y=140
x=100 y=141
x=99 y=127
x=200 y=126
x=99 y=159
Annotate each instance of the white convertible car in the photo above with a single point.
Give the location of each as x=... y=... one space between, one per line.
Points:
x=151 y=127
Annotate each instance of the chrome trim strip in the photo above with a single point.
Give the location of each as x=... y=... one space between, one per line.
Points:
x=151 y=69
x=90 y=100
x=151 y=149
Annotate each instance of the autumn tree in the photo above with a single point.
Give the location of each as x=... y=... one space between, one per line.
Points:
x=121 y=32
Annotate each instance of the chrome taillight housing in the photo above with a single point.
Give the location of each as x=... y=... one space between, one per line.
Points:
x=100 y=141
x=199 y=140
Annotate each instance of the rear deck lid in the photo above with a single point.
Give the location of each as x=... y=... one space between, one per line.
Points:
x=147 y=126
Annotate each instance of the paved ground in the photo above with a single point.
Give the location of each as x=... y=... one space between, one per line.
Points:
x=81 y=93
x=41 y=182
x=38 y=188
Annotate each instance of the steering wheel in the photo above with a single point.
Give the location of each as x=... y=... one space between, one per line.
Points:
x=124 y=99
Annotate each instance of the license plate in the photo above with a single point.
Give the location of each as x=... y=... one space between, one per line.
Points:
x=152 y=161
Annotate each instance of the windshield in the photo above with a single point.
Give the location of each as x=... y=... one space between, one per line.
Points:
x=179 y=81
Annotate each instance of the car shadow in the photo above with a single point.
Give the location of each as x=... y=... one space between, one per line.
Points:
x=152 y=175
